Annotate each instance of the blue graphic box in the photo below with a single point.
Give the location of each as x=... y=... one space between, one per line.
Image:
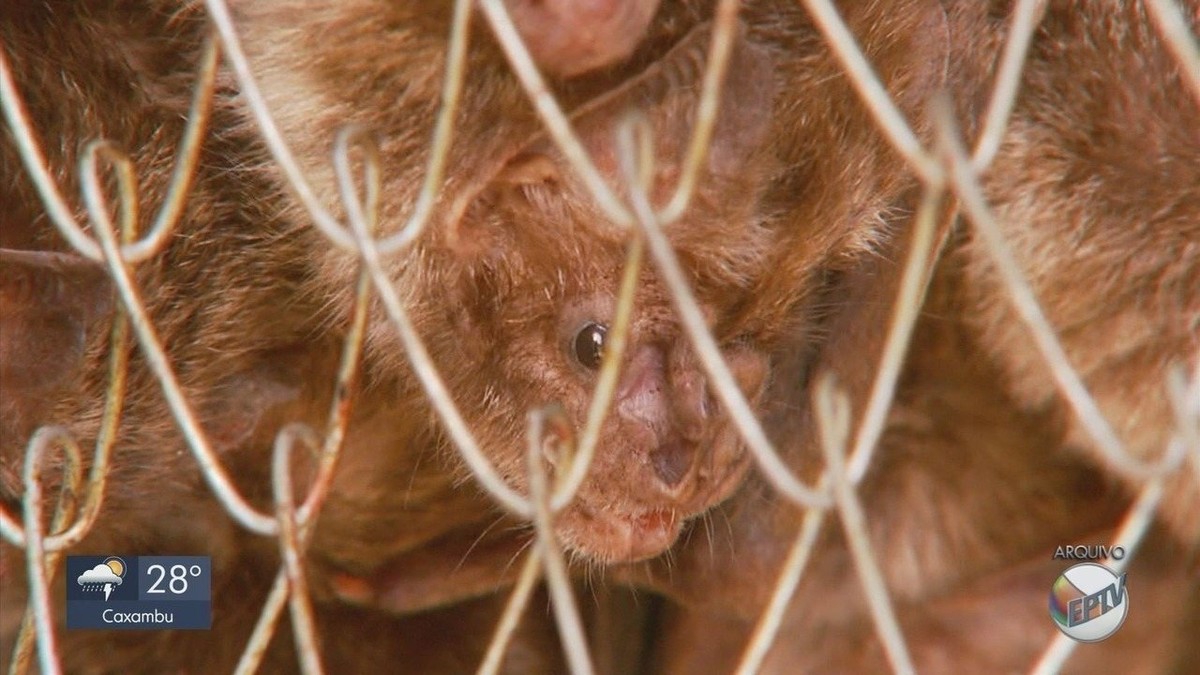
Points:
x=139 y=592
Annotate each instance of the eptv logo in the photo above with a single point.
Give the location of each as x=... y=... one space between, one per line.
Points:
x=1089 y=602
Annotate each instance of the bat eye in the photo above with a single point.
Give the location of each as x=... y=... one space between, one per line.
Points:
x=589 y=345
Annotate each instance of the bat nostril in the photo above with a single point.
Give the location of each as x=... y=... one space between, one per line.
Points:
x=692 y=430
x=690 y=405
x=673 y=460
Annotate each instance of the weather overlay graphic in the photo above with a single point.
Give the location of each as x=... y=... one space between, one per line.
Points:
x=139 y=592
x=1088 y=602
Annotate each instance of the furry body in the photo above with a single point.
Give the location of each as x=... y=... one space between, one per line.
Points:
x=983 y=470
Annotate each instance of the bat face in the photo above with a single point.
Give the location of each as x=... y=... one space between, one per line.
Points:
x=665 y=450
x=541 y=313
x=534 y=275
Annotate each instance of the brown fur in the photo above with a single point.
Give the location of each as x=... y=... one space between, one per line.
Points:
x=982 y=469
x=1098 y=190
x=252 y=336
x=249 y=331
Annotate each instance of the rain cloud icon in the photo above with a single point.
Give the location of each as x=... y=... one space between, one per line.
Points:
x=103 y=576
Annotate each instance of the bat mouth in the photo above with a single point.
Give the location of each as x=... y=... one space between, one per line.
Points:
x=617 y=534
x=612 y=531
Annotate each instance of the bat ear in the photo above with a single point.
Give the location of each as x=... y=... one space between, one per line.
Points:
x=530 y=175
x=669 y=94
x=49 y=303
x=745 y=107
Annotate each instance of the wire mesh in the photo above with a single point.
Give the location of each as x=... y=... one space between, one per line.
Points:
x=947 y=170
